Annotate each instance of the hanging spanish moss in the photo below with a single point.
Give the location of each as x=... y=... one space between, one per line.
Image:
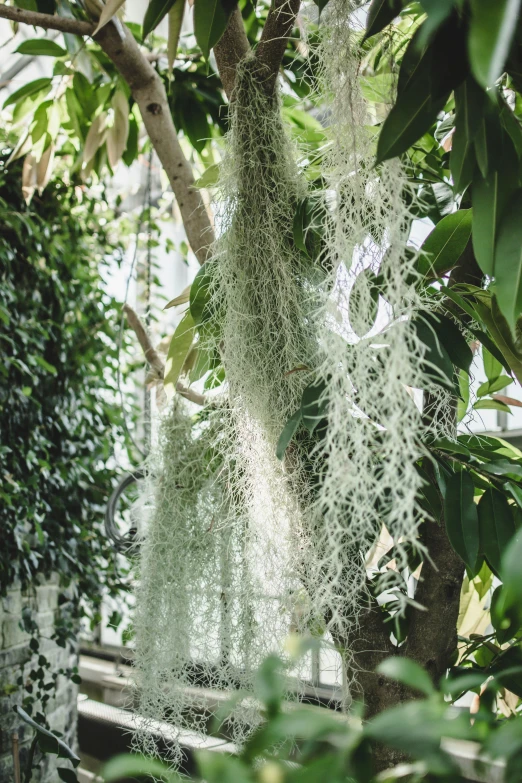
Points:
x=373 y=355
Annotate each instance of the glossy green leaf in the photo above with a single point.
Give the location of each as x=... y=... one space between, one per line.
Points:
x=491 y=405
x=194 y=122
x=490 y=197
x=178 y=350
x=508 y=262
x=489 y=387
x=41 y=47
x=502 y=336
x=492 y=28
x=502 y=467
x=496 y=527
x=462 y=157
x=380 y=14
x=492 y=366
x=32 y=88
x=156 y=11
x=461 y=517
x=443 y=247
x=288 y=433
x=210 y=21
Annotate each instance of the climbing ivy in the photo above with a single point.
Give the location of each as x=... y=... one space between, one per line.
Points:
x=60 y=419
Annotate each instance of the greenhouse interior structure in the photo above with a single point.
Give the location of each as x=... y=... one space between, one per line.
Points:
x=260 y=394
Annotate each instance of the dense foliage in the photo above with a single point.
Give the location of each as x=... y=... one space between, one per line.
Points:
x=60 y=421
x=300 y=744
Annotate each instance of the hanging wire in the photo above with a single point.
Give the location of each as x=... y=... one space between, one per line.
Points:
x=123 y=542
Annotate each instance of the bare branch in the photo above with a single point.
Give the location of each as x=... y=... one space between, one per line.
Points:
x=46 y=21
x=278 y=27
x=232 y=47
x=153 y=357
x=149 y=93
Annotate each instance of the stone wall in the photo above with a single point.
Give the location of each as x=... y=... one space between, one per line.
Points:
x=47 y=602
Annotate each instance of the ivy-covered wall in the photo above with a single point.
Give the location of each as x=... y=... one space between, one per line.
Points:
x=60 y=428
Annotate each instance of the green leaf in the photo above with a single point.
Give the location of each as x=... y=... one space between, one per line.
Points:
x=179 y=347
x=380 y=14
x=491 y=405
x=462 y=519
x=132 y=765
x=408 y=672
x=502 y=467
x=508 y=262
x=437 y=11
x=501 y=334
x=194 y=121
x=41 y=47
x=425 y=84
x=313 y=405
x=496 y=527
x=490 y=387
x=155 y=12
x=200 y=296
x=288 y=433
x=492 y=28
x=210 y=21
x=463 y=401
x=209 y=178
x=492 y=366
x=38 y=85
x=443 y=246
x=468 y=112
x=490 y=197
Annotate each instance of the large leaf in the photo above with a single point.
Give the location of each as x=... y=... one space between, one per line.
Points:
x=444 y=246
x=462 y=519
x=200 y=296
x=462 y=159
x=41 y=47
x=424 y=89
x=493 y=24
x=178 y=350
x=313 y=405
x=496 y=527
x=210 y=21
x=500 y=331
x=155 y=12
x=490 y=197
x=380 y=14
x=508 y=262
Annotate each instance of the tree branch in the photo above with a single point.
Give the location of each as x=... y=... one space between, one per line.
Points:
x=271 y=48
x=46 y=21
x=149 y=93
x=153 y=357
x=232 y=47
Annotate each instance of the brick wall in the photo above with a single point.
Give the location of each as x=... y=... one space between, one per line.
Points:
x=43 y=600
